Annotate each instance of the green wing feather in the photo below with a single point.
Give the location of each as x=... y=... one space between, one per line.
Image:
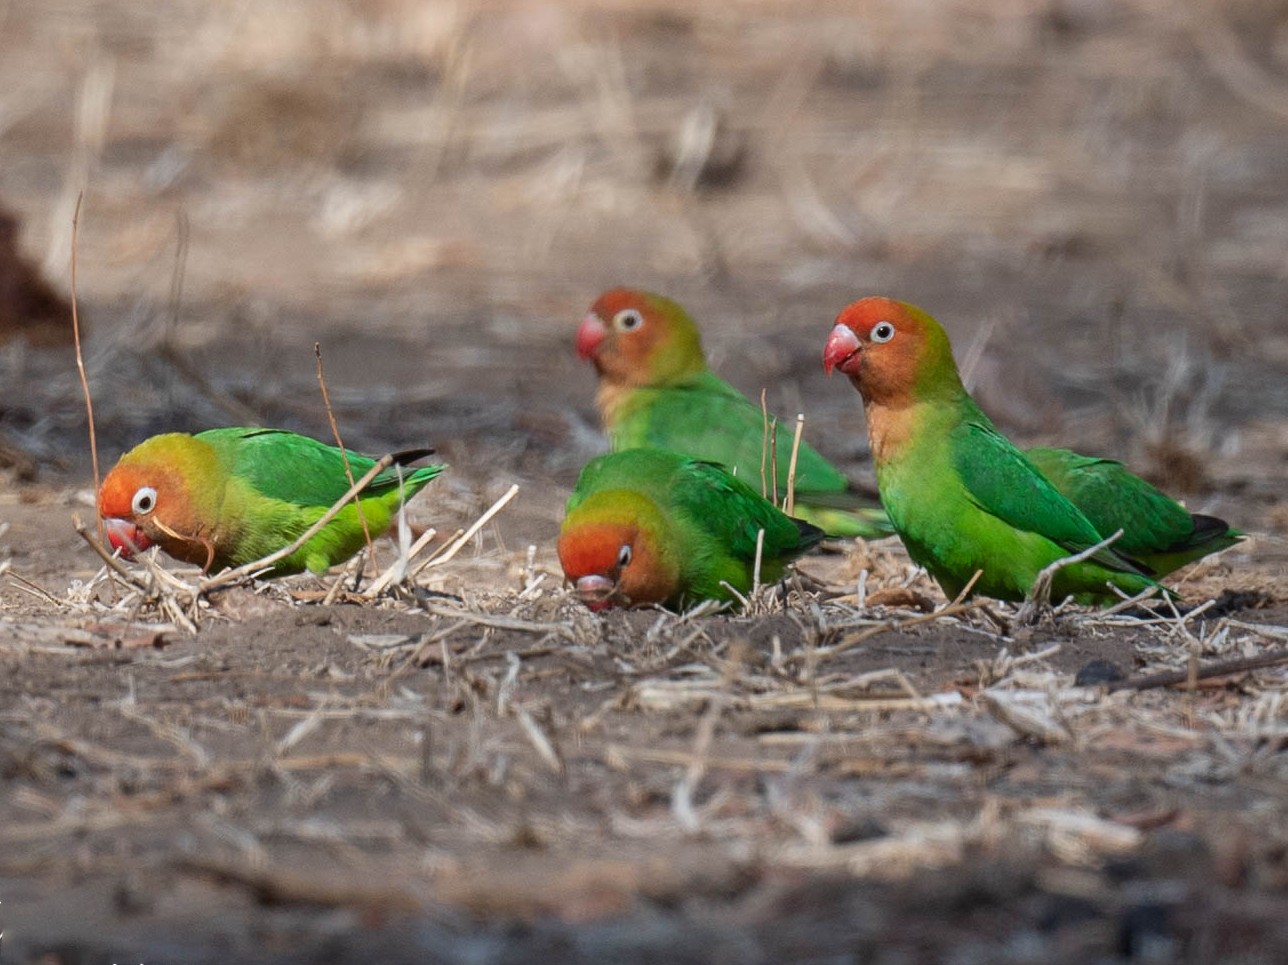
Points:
x=300 y=470
x=1000 y=481
x=734 y=514
x=1157 y=530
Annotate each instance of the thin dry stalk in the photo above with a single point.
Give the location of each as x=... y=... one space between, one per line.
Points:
x=849 y=643
x=80 y=363
x=789 y=500
x=501 y=622
x=351 y=571
x=773 y=460
x=1039 y=597
x=164 y=595
x=399 y=566
x=469 y=534
x=109 y=559
x=344 y=454
x=760 y=555
x=764 y=446
x=539 y=740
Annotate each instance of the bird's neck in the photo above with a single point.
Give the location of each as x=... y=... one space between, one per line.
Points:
x=909 y=429
x=611 y=399
x=891 y=429
x=618 y=399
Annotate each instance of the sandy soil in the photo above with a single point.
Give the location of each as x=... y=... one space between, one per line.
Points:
x=1088 y=194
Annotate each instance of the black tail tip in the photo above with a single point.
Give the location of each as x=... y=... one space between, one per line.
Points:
x=408 y=456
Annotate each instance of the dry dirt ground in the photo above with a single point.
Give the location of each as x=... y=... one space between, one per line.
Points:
x=1090 y=194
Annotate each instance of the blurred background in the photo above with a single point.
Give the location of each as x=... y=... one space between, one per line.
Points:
x=1092 y=195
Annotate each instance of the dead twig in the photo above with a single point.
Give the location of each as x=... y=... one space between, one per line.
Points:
x=469 y=534
x=1191 y=675
x=276 y=887
x=1039 y=596
x=344 y=454
x=80 y=363
x=789 y=501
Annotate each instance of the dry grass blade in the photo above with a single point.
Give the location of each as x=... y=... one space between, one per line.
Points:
x=1039 y=597
x=764 y=447
x=850 y=642
x=344 y=453
x=760 y=555
x=80 y=363
x=539 y=740
x=500 y=621
x=470 y=533
x=789 y=500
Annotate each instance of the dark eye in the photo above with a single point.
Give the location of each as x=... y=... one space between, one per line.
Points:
x=882 y=332
x=145 y=500
x=627 y=320
x=624 y=556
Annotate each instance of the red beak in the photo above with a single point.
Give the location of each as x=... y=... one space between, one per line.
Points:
x=125 y=536
x=596 y=591
x=590 y=334
x=842 y=351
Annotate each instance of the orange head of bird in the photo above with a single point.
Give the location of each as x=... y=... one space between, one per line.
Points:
x=891 y=351
x=636 y=339
x=146 y=499
x=611 y=552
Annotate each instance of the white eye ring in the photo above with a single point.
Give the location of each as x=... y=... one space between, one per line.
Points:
x=882 y=332
x=627 y=320
x=624 y=556
x=145 y=500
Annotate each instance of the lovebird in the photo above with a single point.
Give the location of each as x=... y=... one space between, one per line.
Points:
x=655 y=391
x=225 y=497
x=959 y=494
x=655 y=526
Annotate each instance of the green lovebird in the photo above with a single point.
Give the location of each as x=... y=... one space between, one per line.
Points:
x=655 y=526
x=225 y=497
x=655 y=391
x=964 y=499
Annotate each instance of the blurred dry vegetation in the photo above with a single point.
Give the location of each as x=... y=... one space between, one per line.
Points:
x=1092 y=195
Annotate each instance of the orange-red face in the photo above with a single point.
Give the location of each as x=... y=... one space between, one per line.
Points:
x=612 y=561
x=635 y=338
x=884 y=347
x=144 y=500
x=124 y=501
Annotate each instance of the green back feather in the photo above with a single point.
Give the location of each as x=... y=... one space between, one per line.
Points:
x=280 y=483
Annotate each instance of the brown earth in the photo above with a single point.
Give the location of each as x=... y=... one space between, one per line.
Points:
x=1089 y=194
